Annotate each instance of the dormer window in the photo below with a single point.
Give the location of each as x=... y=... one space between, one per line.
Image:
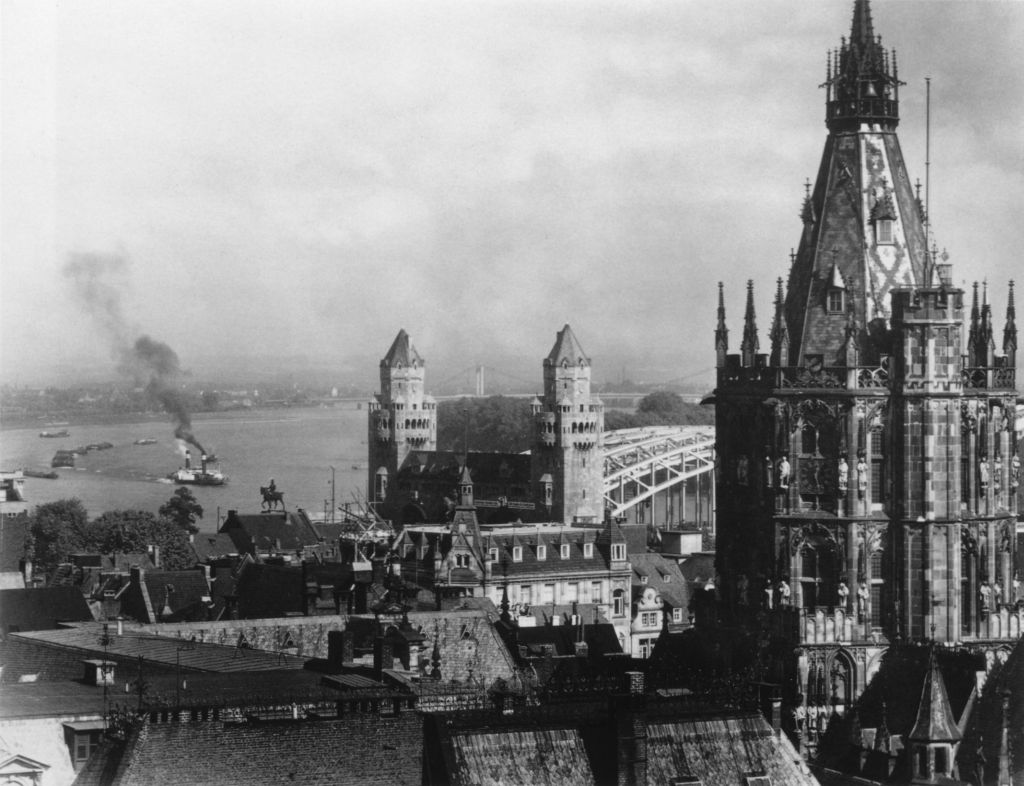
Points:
x=588 y=550
x=517 y=553
x=884 y=231
x=564 y=548
x=492 y=555
x=836 y=301
x=643 y=579
x=542 y=552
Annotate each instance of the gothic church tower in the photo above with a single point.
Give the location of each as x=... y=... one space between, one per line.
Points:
x=402 y=418
x=566 y=465
x=867 y=465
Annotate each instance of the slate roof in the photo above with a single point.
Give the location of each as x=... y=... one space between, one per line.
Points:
x=663 y=575
x=214 y=546
x=362 y=750
x=168 y=595
x=445 y=466
x=402 y=352
x=84 y=639
x=13 y=533
x=263 y=532
x=530 y=537
x=934 y=721
x=601 y=639
x=567 y=347
x=41 y=608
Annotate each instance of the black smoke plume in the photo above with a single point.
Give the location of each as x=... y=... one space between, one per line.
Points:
x=149 y=362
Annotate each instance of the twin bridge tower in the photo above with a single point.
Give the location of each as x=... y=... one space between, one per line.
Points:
x=574 y=471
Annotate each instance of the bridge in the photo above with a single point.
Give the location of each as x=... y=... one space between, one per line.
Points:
x=660 y=462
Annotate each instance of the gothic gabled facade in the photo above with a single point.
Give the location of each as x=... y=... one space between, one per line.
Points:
x=868 y=466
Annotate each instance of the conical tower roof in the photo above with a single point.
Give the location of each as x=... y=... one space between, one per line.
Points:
x=567 y=347
x=935 y=722
x=402 y=352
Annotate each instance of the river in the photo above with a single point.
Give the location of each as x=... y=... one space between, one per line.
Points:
x=297 y=447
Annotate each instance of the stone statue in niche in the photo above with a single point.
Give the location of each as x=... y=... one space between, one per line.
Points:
x=862 y=599
x=784 y=472
x=844 y=593
x=741 y=470
x=862 y=475
x=997 y=593
x=769 y=594
x=983 y=472
x=997 y=473
x=784 y=593
x=768 y=472
x=1014 y=471
x=742 y=585
x=843 y=474
x=985 y=595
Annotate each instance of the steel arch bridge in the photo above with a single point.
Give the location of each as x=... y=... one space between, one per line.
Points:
x=639 y=463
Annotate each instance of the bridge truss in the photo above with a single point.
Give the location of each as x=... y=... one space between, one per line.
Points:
x=639 y=463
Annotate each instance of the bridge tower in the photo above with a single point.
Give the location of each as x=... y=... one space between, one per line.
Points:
x=402 y=418
x=566 y=465
x=868 y=470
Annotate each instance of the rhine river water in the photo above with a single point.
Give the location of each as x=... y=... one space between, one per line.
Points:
x=297 y=447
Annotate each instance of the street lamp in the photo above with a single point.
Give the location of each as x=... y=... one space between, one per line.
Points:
x=332 y=495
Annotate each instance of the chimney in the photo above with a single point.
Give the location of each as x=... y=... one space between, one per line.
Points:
x=383 y=656
x=188 y=459
x=340 y=649
x=154 y=555
x=202 y=461
x=631 y=731
x=120 y=626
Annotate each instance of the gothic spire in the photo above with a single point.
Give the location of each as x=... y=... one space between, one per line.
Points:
x=861 y=86
x=986 y=343
x=1010 y=331
x=934 y=721
x=721 y=332
x=780 y=332
x=750 y=344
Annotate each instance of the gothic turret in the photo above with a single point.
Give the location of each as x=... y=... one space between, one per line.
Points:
x=750 y=345
x=780 y=333
x=861 y=79
x=935 y=737
x=1010 y=331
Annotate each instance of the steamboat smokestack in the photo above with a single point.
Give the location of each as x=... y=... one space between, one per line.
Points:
x=188 y=459
x=203 y=461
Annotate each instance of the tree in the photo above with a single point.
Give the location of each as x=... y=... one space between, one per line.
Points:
x=56 y=532
x=183 y=509
x=661 y=408
x=494 y=424
x=134 y=531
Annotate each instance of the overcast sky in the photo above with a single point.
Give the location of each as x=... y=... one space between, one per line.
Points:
x=309 y=177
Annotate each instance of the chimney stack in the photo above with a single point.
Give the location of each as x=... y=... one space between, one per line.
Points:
x=188 y=459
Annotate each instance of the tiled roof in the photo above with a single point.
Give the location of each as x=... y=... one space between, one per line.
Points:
x=546 y=757
x=721 y=751
x=41 y=608
x=362 y=750
x=600 y=639
x=172 y=595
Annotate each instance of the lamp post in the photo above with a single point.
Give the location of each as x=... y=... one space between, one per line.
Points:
x=332 y=495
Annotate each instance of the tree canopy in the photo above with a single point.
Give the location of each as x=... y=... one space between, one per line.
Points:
x=183 y=509
x=494 y=424
x=661 y=408
x=60 y=529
